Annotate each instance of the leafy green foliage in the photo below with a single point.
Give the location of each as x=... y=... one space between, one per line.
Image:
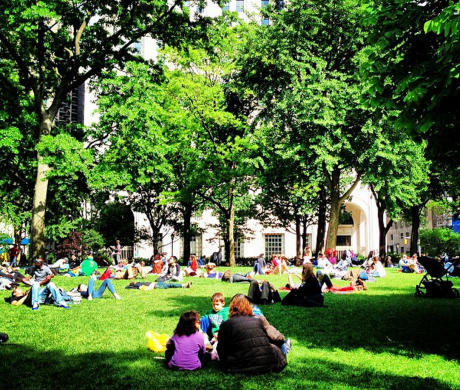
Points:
x=438 y=241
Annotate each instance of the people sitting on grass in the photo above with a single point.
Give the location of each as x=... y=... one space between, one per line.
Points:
x=171 y=271
x=211 y=272
x=409 y=265
x=378 y=268
x=248 y=344
x=192 y=269
x=389 y=262
x=146 y=286
x=324 y=263
x=260 y=265
x=308 y=293
x=89 y=291
x=280 y=265
x=42 y=276
x=211 y=320
x=186 y=350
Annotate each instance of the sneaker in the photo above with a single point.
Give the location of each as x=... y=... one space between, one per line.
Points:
x=64 y=305
x=188 y=285
x=90 y=297
x=35 y=307
x=287 y=346
x=116 y=296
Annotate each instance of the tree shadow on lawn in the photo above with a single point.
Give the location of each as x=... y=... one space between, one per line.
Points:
x=381 y=324
x=26 y=368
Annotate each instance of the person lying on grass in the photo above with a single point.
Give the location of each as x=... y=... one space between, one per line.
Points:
x=48 y=295
x=146 y=286
x=231 y=277
x=14 y=276
x=186 y=350
x=90 y=292
x=248 y=344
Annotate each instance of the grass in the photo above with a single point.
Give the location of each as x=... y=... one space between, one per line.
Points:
x=383 y=338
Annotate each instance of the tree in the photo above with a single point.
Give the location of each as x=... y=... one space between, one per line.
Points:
x=397 y=175
x=438 y=241
x=303 y=70
x=412 y=72
x=217 y=124
x=56 y=46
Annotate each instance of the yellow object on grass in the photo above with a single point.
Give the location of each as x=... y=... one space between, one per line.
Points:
x=156 y=342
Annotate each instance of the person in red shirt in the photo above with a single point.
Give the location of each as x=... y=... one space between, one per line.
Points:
x=14 y=254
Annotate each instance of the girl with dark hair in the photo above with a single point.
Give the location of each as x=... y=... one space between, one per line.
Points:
x=248 y=344
x=186 y=349
x=308 y=294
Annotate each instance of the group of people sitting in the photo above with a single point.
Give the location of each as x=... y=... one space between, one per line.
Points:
x=44 y=291
x=239 y=337
x=410 y=264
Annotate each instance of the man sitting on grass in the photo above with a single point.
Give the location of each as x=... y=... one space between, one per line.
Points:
x=42 y=276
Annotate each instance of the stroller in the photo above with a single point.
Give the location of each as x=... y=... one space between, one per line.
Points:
x=433 y=284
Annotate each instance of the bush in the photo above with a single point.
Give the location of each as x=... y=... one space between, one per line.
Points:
x=439 y=241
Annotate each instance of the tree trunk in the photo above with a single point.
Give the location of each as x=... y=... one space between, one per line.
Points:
x=230 y=225
x=37 y=246
x=383 y=230
x=187 y=215
x=334 y=219
x=415 y=214
x=304 y=233
x=331 y=240
x=321 y=221
x=297 y=236
x=37 y=238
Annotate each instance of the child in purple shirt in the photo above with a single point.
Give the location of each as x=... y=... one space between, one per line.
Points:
x=186 y=349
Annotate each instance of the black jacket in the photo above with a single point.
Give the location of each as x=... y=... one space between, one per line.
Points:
x=245 y=347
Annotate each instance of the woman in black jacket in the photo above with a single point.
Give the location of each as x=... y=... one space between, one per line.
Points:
x=308 y=294
x=248 y=344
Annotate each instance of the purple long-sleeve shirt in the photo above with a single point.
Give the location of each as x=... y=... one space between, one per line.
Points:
x=186 y=350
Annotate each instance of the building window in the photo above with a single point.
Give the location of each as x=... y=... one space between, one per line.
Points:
x=239 y=248
x=195 y=246
x=395 y=225
x=274 y=245
x=226 y=7
x=407 y=234
x=343 y=240
x=391 y=237
x=239 y=5
x=402 y=250
x=402 y=236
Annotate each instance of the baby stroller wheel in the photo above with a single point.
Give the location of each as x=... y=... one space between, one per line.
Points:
x=419 y=294
x=454 y=293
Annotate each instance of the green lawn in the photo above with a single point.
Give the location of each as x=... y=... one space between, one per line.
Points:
x=383 y=338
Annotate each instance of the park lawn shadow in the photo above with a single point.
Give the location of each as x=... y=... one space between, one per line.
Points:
x=140 y=369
